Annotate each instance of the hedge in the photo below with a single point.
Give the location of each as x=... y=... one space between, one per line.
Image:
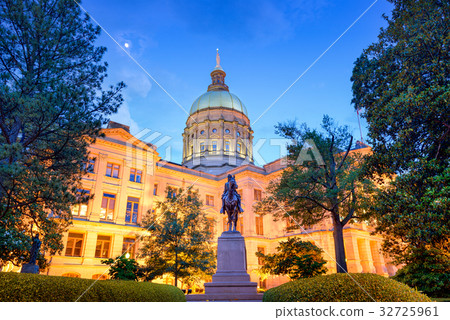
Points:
x=341 y=287
x=35 y=287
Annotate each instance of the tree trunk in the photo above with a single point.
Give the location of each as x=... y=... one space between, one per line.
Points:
x=176 y=269
x=339 y=249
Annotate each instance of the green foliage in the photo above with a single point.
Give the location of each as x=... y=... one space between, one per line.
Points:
x=123 y=268
x=402 y=86
x=427 y=270
x=52 y=107
x=323 y=180
x=295 y=258
x=344 y=288
x=413 y=212
x=34 y=287
x=179 y=240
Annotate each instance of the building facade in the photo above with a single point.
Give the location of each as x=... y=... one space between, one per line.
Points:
x=127 y=177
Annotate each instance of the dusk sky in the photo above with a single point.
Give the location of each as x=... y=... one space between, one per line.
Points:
x=264 y=47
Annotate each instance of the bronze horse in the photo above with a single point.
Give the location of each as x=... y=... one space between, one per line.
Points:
x=231 y=206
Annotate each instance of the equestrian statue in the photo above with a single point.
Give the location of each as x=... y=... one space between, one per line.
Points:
x=231 y=203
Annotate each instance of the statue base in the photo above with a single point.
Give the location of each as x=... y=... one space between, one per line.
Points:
x=30 y=268
x=231 y=282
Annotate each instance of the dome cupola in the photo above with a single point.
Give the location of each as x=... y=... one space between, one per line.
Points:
x=217 y=137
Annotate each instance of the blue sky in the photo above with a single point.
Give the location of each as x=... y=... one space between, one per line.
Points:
x=264 y=46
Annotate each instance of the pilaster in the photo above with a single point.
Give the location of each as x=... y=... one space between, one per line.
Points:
x=98 y=191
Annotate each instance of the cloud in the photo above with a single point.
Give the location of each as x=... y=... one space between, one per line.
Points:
x=137 y=81
x=123 y=116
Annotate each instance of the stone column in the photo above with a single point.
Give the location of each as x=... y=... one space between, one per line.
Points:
x=121 y=198
x=98 y=190
x=117 y=243
x=249 y=216
x=352 y=254
x=365 y=255
x=89 y=248
x=378 y=260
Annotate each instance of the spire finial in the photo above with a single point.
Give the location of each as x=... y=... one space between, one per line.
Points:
x=217 y=59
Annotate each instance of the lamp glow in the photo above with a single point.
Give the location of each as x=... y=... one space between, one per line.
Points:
x=127 y=255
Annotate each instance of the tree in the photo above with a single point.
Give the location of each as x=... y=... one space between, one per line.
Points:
x=52 y=107
x=322 y=181
x=179 y=240
x=401 y=85
x=123 y=268
x=295 y=258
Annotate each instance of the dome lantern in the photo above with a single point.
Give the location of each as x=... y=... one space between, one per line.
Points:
x=218 y=77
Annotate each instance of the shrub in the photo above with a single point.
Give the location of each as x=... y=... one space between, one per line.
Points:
x=122 y=268
x=295 y=258
x=35 y=287
x=340 y=287
x=428 y=271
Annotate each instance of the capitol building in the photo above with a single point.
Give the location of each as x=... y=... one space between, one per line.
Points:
x=127 y=177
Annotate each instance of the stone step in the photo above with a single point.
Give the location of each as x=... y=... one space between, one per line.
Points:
x=256 y=297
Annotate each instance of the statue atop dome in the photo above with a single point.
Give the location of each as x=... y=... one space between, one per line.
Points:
x=218 y=77
x=218 y=60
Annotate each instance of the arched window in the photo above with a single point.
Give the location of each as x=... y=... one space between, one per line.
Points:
x=238 y=133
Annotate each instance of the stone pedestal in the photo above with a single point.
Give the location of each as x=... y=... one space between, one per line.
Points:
x=30 y=268
x=231 y=282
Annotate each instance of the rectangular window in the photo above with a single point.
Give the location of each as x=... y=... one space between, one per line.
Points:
x=214 y=146
x=257 y=195
x=103 y=246
x=290 y=224
x=155 y=189
x=209 y=200
x=263 y=251
x=136 y=175
x=90 y=165
x=259 y=225
x=132 y=210
x=240 y=224
x=240 y=194
x=202 y=147
x=224 y=224
x=238 y=147
x=112 y=170
x=74 y=245
x=212 y=224
x=172 y=192
x=128 y=246
x=80 y=209
x=227 y=145
x=108 y=204
x=262 y=283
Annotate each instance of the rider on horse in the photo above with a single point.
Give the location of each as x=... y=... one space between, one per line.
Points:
x=225 y=194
